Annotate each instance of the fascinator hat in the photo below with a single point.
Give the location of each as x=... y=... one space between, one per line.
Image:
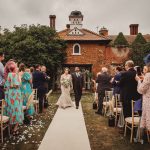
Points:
x=147 y=59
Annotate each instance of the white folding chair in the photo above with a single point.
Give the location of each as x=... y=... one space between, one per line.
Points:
x=48 y=94
x=106 y=101
x=118 y=107
x=35 y=101
x=132 y=122
x=4 y=120
x=30 y=99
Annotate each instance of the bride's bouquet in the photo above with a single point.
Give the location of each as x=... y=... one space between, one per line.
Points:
x=65 y=82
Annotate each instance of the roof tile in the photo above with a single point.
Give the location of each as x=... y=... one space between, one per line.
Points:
x=130 y=38
x=87 y=35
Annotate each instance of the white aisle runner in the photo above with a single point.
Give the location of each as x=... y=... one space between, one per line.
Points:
x=67 y=131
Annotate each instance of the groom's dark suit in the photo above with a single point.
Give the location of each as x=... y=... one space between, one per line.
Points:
x=78 y=82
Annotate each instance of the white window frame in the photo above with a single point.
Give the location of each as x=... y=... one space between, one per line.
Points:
x=79 y=49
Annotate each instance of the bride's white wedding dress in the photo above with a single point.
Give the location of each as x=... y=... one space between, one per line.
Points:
x=64 y=100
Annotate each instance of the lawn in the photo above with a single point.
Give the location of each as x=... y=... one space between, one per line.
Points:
x=103 y=137
x=100 y=135
x=31 y=136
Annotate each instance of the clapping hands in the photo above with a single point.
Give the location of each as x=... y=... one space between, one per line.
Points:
x=137 y=78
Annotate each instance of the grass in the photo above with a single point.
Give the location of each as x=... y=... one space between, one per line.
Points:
x=100 y=135
x=31 y=136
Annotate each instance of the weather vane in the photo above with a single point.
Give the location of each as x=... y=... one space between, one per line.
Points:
x=97 y=28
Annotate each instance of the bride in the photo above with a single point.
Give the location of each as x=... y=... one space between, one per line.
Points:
x=64 y=100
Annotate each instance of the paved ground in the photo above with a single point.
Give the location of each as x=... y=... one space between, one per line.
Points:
x=67 y=131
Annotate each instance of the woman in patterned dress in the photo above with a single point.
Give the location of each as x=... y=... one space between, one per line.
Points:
x=144 y=88
x=26 y=90
x=14 y=98
x=6 y=71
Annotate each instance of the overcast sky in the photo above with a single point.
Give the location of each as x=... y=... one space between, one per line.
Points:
x=116 y=15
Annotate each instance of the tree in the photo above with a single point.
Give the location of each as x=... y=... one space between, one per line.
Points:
x=120 y=40
x=34 y=45
x=140 y=48
x=139 y=40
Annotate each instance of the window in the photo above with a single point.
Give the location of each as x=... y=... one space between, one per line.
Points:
x=76 y=49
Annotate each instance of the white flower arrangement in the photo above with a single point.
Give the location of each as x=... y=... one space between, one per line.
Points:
x=65 y=82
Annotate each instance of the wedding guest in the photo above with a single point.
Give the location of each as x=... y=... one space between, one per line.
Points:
x=38 y=83
x=116 y=80
x=144 y=89
x=104 y=84
x=21 y=69
x=93 y=85
x=26 y=90
x=128 y=88
x=1 y=76
x=6 y=71
x=47 y=78
x=14 y=98
x=145 y=70
x=31 y=70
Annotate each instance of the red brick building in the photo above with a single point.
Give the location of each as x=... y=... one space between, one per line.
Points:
x=90 y=50
x=85 y=48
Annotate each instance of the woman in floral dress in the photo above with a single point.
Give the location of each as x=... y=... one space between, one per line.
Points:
x=13 y=98
x=144 y=89
x=64 y=100
x=6 y=71
x=26 y=91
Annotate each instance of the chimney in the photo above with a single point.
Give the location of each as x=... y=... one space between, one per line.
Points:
x=52 y=21
x=103 y=31
x=134 y=29
x=68 y=26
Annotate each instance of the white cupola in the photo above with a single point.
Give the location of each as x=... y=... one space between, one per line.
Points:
x=76 y=19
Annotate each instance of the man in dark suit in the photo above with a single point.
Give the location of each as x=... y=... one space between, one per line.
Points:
x=78 y=82
x=47 y=78
x=38 y=83
x=128 y=88
x=104 y=84
x=116 y=80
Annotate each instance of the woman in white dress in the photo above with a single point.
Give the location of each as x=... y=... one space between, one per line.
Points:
x=64 y=100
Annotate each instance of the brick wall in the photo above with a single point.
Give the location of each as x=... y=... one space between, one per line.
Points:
x=97 y=55
x=116 y=55
x=90 y=54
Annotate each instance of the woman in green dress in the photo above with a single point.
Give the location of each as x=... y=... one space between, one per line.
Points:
x=26 y=90
x=13 y=97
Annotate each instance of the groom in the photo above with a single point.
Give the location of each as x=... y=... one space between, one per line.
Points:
x=78 y=82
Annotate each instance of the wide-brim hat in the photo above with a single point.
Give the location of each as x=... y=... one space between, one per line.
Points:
x=147 y=59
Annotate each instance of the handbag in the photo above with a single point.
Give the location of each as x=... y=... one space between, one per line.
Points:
x=138 y=105
x=27 y=120
x=121 y=120
x=111 y=121
x=94 y=105
x=46 y=103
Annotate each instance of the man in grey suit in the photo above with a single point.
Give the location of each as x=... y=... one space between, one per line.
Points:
x=104 y=84
x=1 y=76
x=78 y=82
